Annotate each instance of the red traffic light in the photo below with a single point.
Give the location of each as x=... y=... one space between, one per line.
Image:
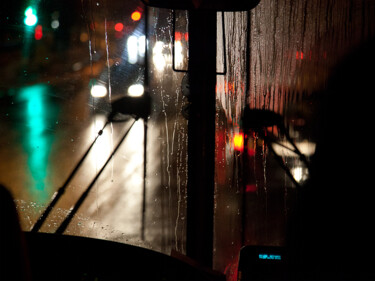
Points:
x=119 y=26
x=38 y=32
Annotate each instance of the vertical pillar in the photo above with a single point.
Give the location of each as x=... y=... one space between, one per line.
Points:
x=201 y=136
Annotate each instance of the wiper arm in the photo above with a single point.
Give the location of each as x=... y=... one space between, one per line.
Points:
x=84 y=195
x=57 y=195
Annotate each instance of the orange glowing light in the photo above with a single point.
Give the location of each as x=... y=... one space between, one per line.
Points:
x=119 y=26
x=136 y=16
x=238 y=141
x=178 y=36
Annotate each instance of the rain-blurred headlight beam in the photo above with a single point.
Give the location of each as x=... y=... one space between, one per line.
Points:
x=56 y=197
x=84 y=195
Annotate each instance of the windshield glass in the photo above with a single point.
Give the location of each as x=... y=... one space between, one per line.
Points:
x=66 y=66
x=62 y=66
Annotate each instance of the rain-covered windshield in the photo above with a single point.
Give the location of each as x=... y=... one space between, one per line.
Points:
x=65 y=63
x=62 y=66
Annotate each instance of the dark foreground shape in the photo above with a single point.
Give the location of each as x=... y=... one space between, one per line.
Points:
x=62 y=257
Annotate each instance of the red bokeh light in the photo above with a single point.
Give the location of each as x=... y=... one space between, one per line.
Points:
x=250 y=188
x=119 y=26
x=38 y=32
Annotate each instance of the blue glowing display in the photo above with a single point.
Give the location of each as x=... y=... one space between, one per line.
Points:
x=269 y=257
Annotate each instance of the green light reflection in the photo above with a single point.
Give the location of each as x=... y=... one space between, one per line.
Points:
x=37 y=139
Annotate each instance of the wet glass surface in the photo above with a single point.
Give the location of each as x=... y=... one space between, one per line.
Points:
x=280 y=55
x=61 y=73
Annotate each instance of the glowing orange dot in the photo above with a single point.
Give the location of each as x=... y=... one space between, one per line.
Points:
x=136 y=16
x=119 y=26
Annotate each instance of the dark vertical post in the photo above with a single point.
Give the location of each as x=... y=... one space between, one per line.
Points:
x=201 y=136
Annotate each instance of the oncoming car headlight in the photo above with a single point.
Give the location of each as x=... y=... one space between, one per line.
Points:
x=98 y=91
x=136 y=90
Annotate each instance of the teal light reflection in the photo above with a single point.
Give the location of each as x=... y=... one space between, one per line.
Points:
x=37 y=139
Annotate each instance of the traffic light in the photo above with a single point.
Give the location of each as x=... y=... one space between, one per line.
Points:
x=38 y=32
x=119 y=27
x=31 y=17
x=136 y=16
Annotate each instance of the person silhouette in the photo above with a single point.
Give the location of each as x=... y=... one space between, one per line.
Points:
x=332 y=235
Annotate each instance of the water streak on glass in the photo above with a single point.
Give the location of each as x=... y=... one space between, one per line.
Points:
x=57 y=90
x=56 y=99
x=280 y=55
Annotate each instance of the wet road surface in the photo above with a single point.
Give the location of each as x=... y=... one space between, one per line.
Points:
x=43 y=136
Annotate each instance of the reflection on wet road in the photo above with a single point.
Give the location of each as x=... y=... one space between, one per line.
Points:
x=27 y=124
x=42 y=139
x=37 y=141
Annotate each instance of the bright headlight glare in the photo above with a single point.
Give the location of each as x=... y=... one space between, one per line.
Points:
x=136 y=90
x=158 y=57
x=98 y=91
x=132 y=49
